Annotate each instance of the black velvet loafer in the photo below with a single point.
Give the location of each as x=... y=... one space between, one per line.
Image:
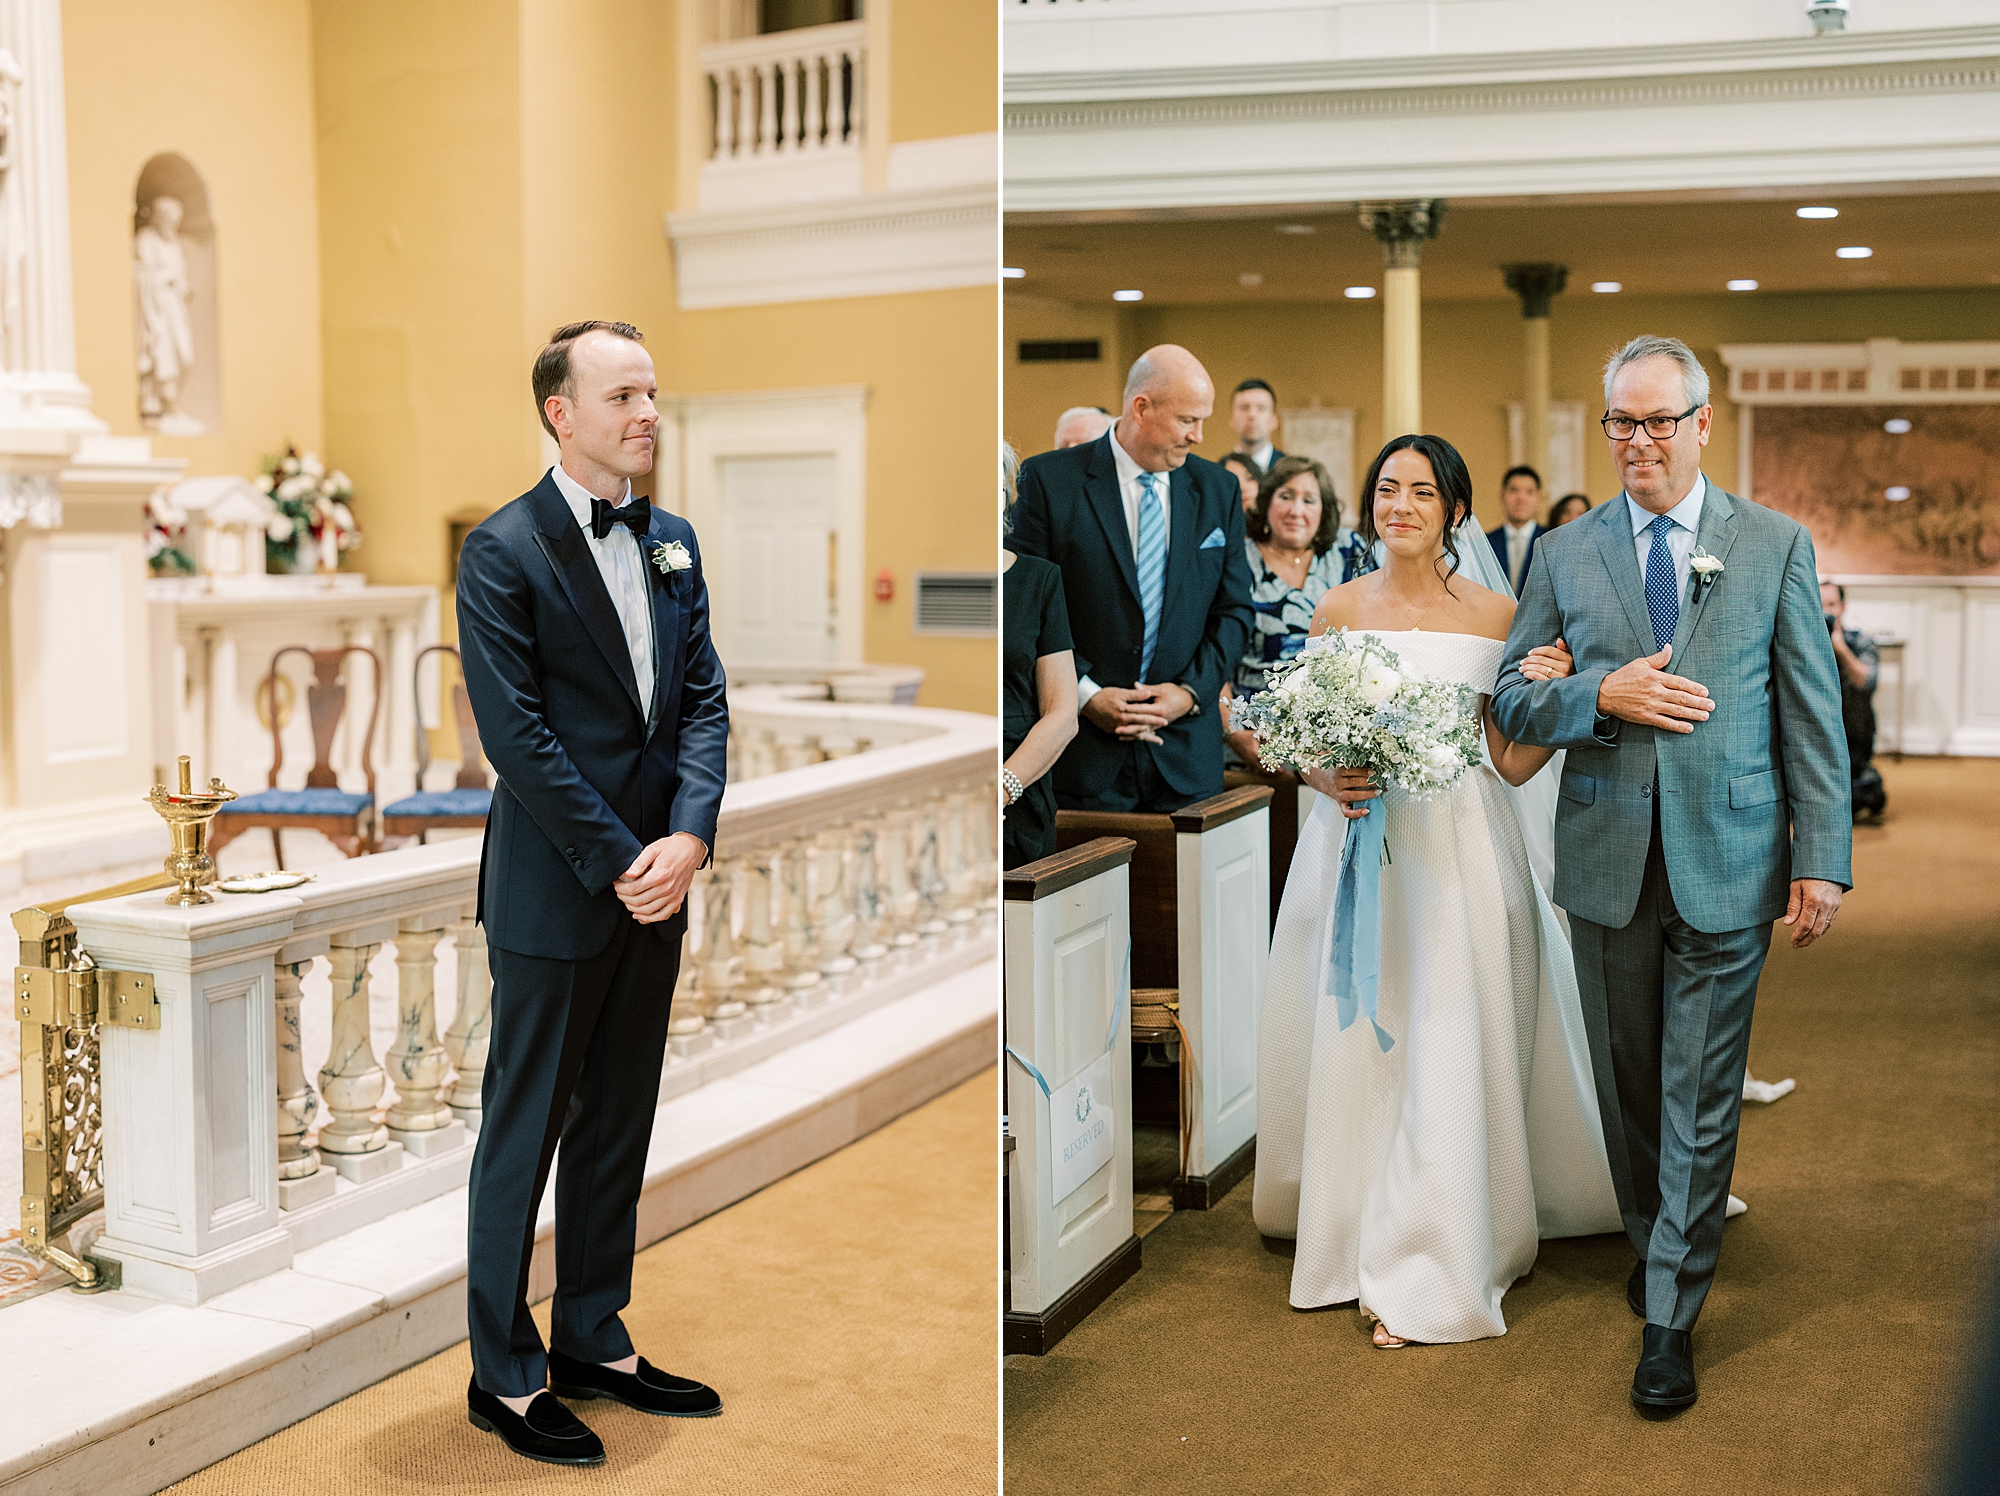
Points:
x=1635 y=1289
x=648 y=1389
x=548 y=1431
x=1664 y=1382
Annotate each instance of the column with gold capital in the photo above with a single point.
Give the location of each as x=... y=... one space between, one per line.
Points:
x=1402 y=228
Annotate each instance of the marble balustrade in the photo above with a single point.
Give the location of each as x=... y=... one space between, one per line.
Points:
x=854 y=854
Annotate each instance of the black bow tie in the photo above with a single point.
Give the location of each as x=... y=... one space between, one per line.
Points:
x=636 y=516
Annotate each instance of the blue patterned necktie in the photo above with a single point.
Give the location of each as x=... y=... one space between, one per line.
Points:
x=1662 y=597
x=1152 y=566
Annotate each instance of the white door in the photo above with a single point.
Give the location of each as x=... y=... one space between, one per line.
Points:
x=779 y=534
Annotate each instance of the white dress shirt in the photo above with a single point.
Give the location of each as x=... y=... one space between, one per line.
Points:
x=1686 y=516
x=1517 y=551
x=623 y=568
x=1264 y=456
x=1130 y=488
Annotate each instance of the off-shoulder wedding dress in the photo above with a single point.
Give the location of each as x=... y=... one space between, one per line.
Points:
x=1418 y=1181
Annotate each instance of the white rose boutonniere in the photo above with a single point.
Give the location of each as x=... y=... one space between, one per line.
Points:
x=671 y=557
x=1706 y=569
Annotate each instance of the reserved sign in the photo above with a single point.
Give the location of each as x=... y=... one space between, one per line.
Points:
x=1081 y=1129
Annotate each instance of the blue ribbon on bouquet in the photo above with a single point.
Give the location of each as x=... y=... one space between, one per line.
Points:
x=1356 y=957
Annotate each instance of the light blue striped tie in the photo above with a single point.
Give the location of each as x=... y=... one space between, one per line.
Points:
x=1152 y=567
x=1662 y=597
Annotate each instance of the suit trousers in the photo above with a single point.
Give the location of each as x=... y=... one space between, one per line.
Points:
x=575 y=1056
x=1667 y=1010
x=1138 y=787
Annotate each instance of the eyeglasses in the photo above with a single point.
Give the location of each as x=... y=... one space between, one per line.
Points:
x=1659 y=428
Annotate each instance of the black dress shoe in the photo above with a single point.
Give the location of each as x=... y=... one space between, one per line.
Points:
x=548 y=1431
x=648 y=1389
x=1665 y=1378
x=1635 y=1289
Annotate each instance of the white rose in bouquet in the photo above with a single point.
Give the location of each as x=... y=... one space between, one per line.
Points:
x=1378 y=682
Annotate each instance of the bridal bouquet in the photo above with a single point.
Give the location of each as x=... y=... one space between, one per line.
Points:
x=1350 y=704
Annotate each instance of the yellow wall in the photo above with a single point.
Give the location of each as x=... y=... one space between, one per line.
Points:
x=1472 y=359
x=227 y=84
x=422 y=242
x=943 y=56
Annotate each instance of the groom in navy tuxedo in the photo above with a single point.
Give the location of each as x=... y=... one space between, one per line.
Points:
x=583 y=622
x=1150 y=542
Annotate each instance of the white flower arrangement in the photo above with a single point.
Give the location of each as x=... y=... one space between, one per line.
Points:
x=311 y=509
x=1706 y=568
x=1349 y=704
x=671 y=556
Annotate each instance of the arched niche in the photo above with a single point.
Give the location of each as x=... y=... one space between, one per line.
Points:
x=196 y=397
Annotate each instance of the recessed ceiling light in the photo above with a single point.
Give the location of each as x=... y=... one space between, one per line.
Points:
x=1896 y=495
x=1013 y=272
x=1250 y=278
x=1896 y=427
x=1128 y=295
x=1359 y=293
x=1743 y=285
x=1607 y=287
x=1854 y=252
x=1819 y=212
x=1297 y=228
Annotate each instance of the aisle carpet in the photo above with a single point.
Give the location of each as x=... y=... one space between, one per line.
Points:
x=1830 y=1348
x=846 y=1314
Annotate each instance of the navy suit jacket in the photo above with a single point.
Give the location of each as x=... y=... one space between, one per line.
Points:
x=1070 y=513
x=1497 y=538
x=582 y=786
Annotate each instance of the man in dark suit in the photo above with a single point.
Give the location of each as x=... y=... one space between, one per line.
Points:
x=583 y=622
x=1514 y=542
x=1150 y=542
x=1253 y=416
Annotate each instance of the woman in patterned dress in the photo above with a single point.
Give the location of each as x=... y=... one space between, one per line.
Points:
x=1298 y=551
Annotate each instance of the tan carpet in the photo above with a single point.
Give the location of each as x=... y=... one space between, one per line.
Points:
x=1830 y=1346
x=846 y=1314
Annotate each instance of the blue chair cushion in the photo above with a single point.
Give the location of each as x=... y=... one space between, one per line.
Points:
x=299 y=803
x=443 y=803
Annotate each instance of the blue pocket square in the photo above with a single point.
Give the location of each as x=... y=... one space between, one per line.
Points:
x=1214 y=540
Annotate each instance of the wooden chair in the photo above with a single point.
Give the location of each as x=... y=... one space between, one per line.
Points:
x=469 y=799
x=1199 y=895
x=344 y=818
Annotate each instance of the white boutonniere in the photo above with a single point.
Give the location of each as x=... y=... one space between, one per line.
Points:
x=671 y=556
x=1706 y=569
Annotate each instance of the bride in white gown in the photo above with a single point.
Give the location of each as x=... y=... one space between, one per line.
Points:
x=1417 y=1181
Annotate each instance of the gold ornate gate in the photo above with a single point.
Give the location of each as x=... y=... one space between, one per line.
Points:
x=62 y=998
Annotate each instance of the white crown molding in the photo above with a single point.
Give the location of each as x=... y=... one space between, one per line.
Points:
x=1024 y=89
x=874 y=244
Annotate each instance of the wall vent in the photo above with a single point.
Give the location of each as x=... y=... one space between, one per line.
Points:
x=1072 y=351
x=958 y=602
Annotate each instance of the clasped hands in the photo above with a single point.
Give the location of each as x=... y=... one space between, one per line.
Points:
x=656 y=884
x=1136 y=713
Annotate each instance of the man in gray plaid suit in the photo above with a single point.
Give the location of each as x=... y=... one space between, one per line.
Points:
x=1696 y=808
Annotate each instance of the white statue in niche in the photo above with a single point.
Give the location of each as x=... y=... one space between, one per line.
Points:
x=166 y=335
x=13 y=223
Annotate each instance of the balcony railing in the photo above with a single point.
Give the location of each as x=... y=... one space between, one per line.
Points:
x=791 y=94
x=853 y=865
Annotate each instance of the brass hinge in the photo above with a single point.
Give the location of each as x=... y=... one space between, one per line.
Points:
x=87 y=993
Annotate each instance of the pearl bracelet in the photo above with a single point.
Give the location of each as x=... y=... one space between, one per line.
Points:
x=1011 y=783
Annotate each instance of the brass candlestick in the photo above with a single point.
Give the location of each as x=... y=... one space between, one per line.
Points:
x=187 y=815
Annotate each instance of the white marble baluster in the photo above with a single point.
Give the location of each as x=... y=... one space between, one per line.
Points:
x=870 y=907
x=764 y=950
x=961 y=875
x=833 y=904
x=904 y=904
x=927 y=870
x=471 y=1023
x=351 y=1082
x=790 y=70
x=801 y=938
x=721 y=967
x=745 y=81
x=420 y=1120
x=767 y=107
x=725 y=115
x=986 y=820
x=302 y=1178
x=815 y=131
